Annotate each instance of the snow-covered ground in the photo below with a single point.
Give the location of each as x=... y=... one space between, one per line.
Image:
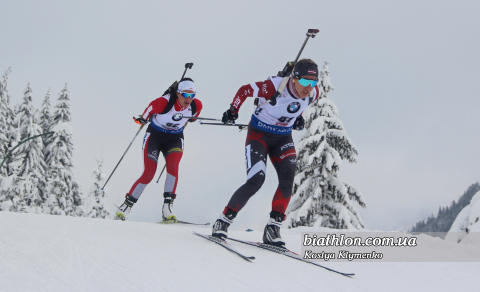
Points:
x=466 y=227
x=57 y=253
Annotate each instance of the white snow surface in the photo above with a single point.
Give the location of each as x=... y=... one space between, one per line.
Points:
x=41 y=252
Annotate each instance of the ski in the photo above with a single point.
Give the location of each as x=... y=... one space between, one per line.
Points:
x=181 y=222
x=288 y=253
x=225 y=245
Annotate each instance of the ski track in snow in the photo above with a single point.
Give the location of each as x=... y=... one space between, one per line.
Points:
x=57 y=253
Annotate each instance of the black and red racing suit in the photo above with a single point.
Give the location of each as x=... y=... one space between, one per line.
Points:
x=269 y=133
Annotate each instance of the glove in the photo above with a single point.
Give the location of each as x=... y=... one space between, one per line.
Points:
x=140 y=120
x=192 y=120
x=299 y=123
x=229 y=116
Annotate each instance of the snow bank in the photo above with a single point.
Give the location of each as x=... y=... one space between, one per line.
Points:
x=466 y=227
x=56 y=253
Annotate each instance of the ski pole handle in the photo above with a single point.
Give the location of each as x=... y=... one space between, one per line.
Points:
x=187 y=66
x=310 y=33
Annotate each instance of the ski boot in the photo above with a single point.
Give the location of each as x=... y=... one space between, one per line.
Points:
x=124 y=208
x=220 y=228
x=167 y=210
x=271 y=234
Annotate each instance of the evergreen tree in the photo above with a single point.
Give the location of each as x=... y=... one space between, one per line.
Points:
x=96 y=205
x=320 y=199
x=7 y=130
x=8 y=178
x=3 y=123
x=65 y=197
x=31 y=170
x=45 y=118
x=45 y=115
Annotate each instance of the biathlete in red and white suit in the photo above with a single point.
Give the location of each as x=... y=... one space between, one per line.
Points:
x=165 y=135
x=270 y=133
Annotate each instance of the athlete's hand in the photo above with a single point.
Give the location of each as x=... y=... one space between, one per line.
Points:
x=299 y=123
x=140 y=120
x=229 y=116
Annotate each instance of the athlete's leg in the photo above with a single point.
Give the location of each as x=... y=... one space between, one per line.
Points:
x=255 y=159
x=284 y=159
x=173 y=152
x=150 y=153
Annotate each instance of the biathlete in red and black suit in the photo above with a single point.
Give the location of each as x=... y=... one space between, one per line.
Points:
x=270 y=133
x=165 y=135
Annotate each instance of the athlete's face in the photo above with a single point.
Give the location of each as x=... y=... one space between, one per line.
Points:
x=184 y=101
x=302 y=90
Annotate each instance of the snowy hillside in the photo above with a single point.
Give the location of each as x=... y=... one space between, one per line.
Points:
x=57 y=253
x=466 y=227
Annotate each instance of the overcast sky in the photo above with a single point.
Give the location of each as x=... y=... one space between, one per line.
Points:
x=406 y=78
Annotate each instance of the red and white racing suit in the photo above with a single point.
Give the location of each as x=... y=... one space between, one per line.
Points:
x=164 y=134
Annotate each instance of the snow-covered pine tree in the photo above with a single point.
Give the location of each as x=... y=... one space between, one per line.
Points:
x=3 y=123
x=8 y=200
x=30 y=181
x=6 y=123
x=45 y=115
x=320 y=199
x=64 y=196
x=95 y=205
x=45 y=118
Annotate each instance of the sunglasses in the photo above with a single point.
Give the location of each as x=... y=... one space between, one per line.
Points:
x=306 y=82
x=187 y=95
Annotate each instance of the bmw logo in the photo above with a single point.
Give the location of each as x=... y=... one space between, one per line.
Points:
x=293 y=107
x=177 y=117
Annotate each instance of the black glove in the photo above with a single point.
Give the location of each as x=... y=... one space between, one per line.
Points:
x=191 y=120
x=229 y=116
x=140 y=120
x=299 y=123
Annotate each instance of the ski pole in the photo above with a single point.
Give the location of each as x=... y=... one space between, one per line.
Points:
x=206 y=119
x=285 y=73
x=141 y=127
x=161 y=173
x=187 y=66
x=21 y=142
x=240 y=126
